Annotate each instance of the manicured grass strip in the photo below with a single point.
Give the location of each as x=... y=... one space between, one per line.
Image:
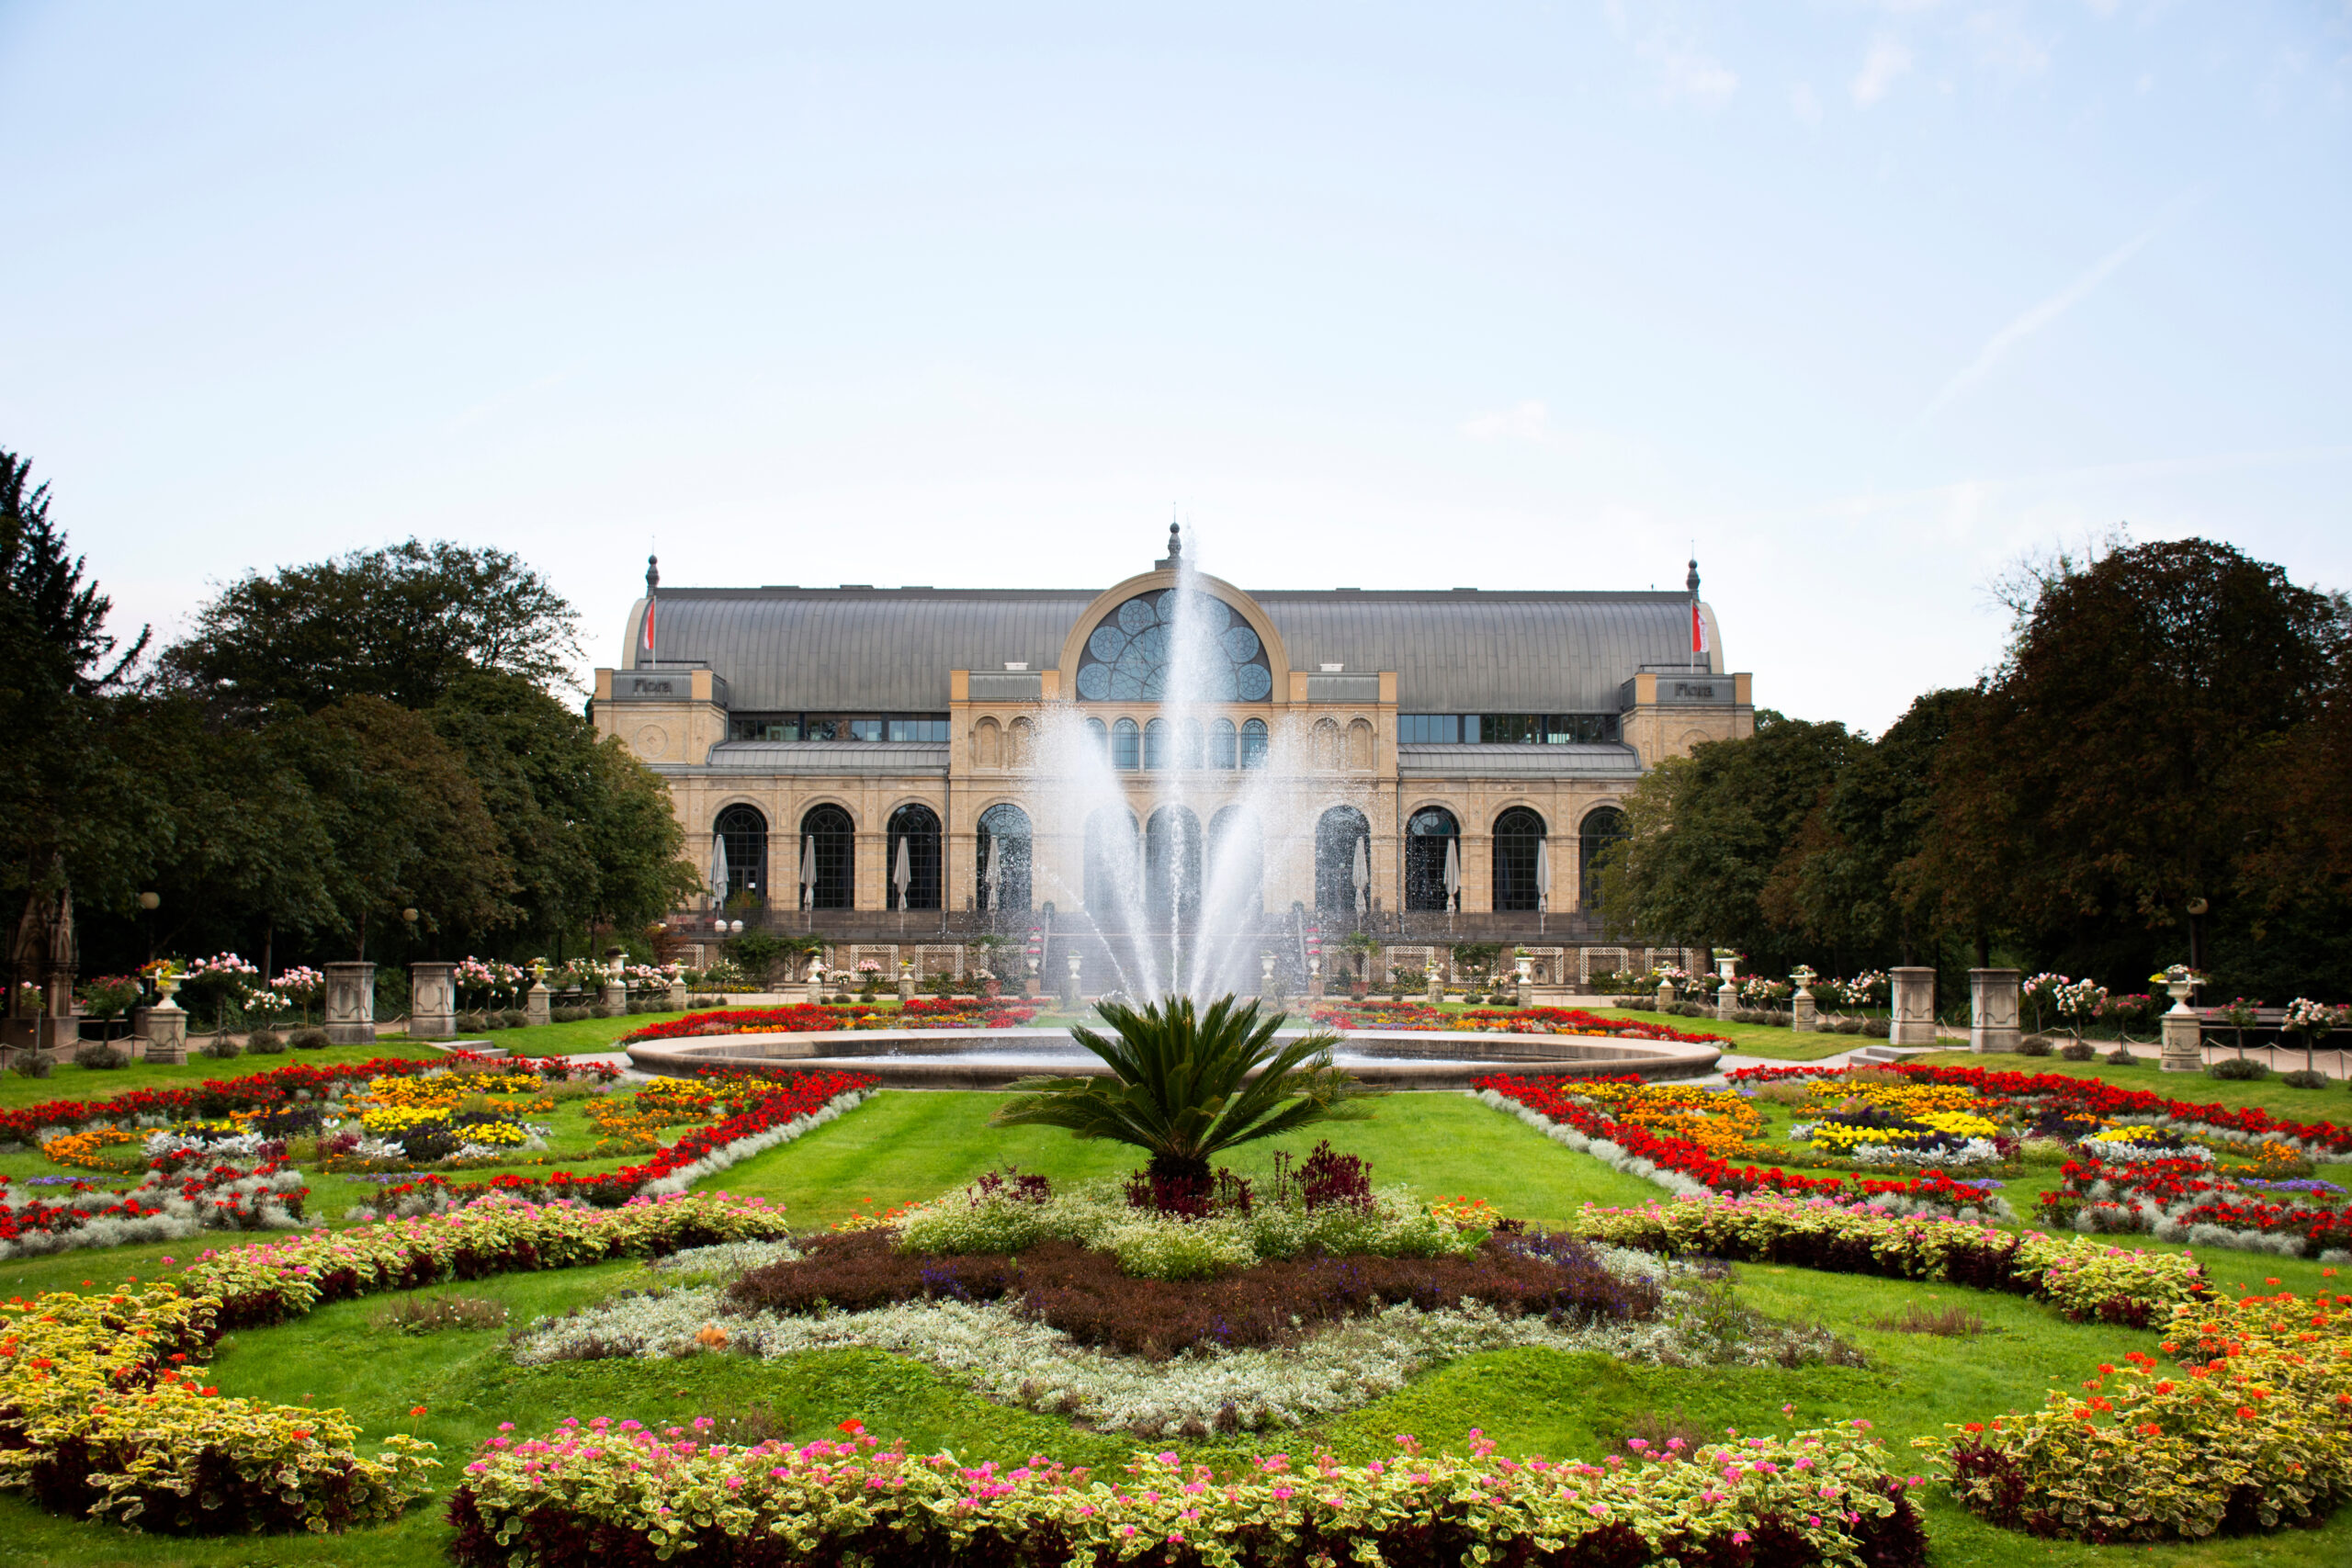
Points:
x=2333 y=1103
x=908 y=1145
x=70 y=1082
x=1756 y=1038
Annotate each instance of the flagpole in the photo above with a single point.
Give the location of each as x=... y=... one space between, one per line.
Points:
x=652 y=583
x=1697 y=638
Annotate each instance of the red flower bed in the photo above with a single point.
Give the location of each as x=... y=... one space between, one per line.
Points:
x=262 y=1091
x=762 y=1102
x=801 y=1018
x=1685 y=1157
x=2211 y=1199
x=2092 y=1095
x=195 y=1181
x=1511 y=1021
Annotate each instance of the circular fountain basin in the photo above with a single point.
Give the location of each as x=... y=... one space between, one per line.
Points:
x=994 y=1058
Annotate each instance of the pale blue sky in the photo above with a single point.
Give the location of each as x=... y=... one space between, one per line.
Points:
x=1866 y=299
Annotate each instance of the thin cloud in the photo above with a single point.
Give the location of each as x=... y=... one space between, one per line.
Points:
x=1997 y=346
x=1803 y=105
x=1887 y=60
x=1529 y=422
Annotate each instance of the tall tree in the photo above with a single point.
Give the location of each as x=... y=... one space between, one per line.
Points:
x=72 y=815
x=2139 y=688
x=1707 y=832
x=402 y=623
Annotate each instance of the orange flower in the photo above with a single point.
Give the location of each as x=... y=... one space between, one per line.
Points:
x=416 y=1410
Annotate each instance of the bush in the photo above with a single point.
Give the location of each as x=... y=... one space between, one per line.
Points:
x=266 y=1042
x=2238 y=1068
x=311 y=1039
x=517 y=1017
x=2034 y=1046
x=35 y=1064
x=97 y=1053
x=2121 y=1056
x=2304 y=1077
x=2079 y=1051
x=567 y=1015
x=605 y=1009
x=220 y=1048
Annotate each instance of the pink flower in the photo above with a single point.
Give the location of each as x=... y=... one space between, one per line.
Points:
x=1739 y=1538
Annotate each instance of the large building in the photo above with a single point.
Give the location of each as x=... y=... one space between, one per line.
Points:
x=1444 y=759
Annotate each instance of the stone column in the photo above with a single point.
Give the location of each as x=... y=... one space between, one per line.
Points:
x=1314 y=976
x=1804 y=1013
x=1727 y=998
x=535 y=1003
x=432 y=1001
x=2184 y=1036
x=676 y=999
x=162 y=1031
x=351 y=1004
x=906 y=986
x=1666 y=996
x=1914 y=992
x=1993 y=1010
x=816 y=980
x=1070 y=998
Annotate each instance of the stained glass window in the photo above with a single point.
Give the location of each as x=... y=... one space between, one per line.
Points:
x=1128 y=655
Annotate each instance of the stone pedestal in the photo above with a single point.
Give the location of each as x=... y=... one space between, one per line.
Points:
x=613 y=996
x=1913 y=991
x=676 y=999
x=1993 y=1010
x=1437 y=986
x=1804 y=1013
x=816 y=984
x=1666 y=997
x=2184 y=1036
x=535 y=1003
x=1315 y=979
x=1070 y=988
x=906 y=988
x=351 y=1004
x=162 y=1031
x=1030 y=987
x=432 y=1001
x=1728 y=1000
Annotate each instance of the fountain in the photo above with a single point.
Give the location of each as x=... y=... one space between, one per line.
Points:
x=1174 y=909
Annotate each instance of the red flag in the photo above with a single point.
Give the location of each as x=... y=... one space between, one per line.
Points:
x=1697 y=629
x=649 y=603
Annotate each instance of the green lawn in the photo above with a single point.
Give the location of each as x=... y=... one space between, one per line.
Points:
x=904 y=1146
x=1756 y=1038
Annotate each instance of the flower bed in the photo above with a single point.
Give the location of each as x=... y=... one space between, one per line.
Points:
x=103 y=1411
x=180 y=1195
x=1687 y=1162
x=1084 y=1293
x=260 y=1092
x=2253 y=1431
x=2077 y=1275
x=762 y=1111
x=624 y=1490
x=2093 y=1098
x=802 y=1018
x=2188 y=1201
x=1488 y=1020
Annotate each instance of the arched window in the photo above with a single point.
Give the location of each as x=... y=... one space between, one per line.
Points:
x=1154 y=745
x=1128 y=655
x=741 y=834
x=1171 y=862
x=987 y=744
x=1126 y=746
x=1019 y=744
x=1237 y=864
x=1099 y=733
x=1253 y=743
x=1337 y=834
x=1603 y=829
x=1188 y=750
x=911 y=848
x=1519 y=846
x=1110 y=866
x=827 y=874
x=1222 y=752
x=1429 y=838
x=1324 y=746
x=1001 y=873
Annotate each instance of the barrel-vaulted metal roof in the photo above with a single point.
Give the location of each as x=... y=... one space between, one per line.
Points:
x=890 y=649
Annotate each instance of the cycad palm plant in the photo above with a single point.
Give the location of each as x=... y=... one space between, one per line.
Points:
x=1182 y=1086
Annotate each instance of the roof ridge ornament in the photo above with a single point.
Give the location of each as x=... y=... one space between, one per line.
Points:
x=1174 y=560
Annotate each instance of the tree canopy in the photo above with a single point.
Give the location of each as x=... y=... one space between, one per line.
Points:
x=403 y=624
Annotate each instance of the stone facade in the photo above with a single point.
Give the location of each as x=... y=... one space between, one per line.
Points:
x=1333 y=740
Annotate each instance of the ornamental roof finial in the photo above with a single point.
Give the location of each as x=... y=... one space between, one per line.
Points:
x=1691 y=581
x=652 y=573
x=1175 y=542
